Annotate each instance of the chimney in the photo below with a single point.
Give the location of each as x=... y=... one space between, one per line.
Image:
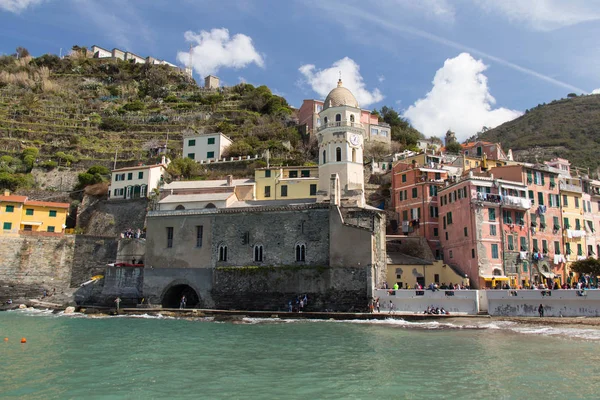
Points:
x=334 y=190
x=6 y=192
x=229 y=180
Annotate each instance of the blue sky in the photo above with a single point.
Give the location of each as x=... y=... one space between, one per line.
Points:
x=443 y=64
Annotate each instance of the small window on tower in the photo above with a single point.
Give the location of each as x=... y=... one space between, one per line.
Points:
x=338 y=154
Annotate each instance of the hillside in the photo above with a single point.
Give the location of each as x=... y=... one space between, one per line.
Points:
x=79 y=111
x=567 y=128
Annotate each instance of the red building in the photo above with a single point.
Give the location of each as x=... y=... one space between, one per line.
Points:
x=415 y=200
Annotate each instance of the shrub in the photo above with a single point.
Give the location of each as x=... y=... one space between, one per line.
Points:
x=49 y=165
x=113 y=124
x=171 y=99
x=136 y=105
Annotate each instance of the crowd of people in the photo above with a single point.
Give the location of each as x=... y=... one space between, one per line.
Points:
x=432 y=286
x=133 y=234
x=435 y=310
x=299 y=303
x=376 y=306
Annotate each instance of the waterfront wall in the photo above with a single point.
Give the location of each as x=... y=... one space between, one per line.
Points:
x=31 y=264
x=525 y=303
x=417 y=301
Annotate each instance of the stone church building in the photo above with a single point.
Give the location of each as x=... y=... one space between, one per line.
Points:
x=263 y=257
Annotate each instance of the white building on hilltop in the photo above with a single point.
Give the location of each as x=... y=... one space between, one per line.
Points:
x=135 y=182
x=205 y=146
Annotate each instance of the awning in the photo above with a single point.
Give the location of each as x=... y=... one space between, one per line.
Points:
x=549 y=275
x=518 y=188
x=495 y=278
x=31 y=223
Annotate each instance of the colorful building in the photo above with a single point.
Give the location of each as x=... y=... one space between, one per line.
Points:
x=546 y=255
x=281 y=183
x=415 y=200
x=19 y=215
x=485 y=229
x=591 y=197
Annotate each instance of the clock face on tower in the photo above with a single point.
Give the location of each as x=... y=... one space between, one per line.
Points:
x=354 y=139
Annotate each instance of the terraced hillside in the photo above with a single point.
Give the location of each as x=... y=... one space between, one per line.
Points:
x=79 y=111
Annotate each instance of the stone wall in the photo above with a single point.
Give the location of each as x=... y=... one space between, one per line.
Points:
x=98 y=216
x=31 y=264
x=271 y=288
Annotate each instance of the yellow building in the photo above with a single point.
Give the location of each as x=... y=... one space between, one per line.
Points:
x=281 y=183
x=406 y=270
x=18 y=215
x=573 y=223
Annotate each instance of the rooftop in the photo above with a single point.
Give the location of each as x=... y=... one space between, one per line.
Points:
x=139 y=167
x=184 y=198
x=206 y=184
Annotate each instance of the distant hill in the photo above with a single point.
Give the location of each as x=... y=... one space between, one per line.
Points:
x=79 y=111
x=567 y=128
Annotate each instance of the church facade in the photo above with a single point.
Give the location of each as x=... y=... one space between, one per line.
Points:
x=262 y=257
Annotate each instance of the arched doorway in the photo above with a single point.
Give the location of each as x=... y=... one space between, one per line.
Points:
x=210 y=205
x=173 y=295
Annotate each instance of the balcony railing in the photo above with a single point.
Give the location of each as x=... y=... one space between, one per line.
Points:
x=339 y=124
x=569 y=187
x=507 y=201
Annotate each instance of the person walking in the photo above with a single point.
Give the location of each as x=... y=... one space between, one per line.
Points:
x=377 y=305
x=117 y=302
x=182 y=303
x=391 y=307
x=541 y=310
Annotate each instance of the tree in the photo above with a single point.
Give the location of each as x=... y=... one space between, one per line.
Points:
x=22 y=52
x=376 y=150
x=94 y=175
x=571 y=95
x=29 y=157
x=589 y=266
x=183 y=168
x=454 y=148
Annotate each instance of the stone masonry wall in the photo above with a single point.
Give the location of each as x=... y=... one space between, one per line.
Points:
x=271 y=288
x=30 y=264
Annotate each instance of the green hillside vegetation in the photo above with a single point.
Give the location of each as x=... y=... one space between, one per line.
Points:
x=567 y=128
x=77 y=112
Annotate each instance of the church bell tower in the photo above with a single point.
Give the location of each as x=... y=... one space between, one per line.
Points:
x=341 y=143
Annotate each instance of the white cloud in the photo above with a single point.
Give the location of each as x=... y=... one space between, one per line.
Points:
x=433 y=9
x=544 y=15
x=596 y=91
x=216 y=49
x=16 y=6
x=459 y=100
x=322 y=81
x=380 y=78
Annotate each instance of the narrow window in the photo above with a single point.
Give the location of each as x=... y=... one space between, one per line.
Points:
x=210 y=154
x=293 y=174
x=199 y=234
x=169 y=236
x=267 y=173
x=10 y=209
x=258 y=253
x=313 y=189
x=29 y=211
x=466 y=232
x=192 y=142
x=222 y=253
x=324 y=156
x=141 y=175
x=50 y=229
x=300 y=252
x=267 y=191
x=338 y=154
x=351 y=117
x=284 y=191
x=52 y=213
x=7 y=226
x=338 y=117
x=211 y=140
x=129 y=176
x=191 y=156
x=354 y=155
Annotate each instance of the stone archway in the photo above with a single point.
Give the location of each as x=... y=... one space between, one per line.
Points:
x=171 y=297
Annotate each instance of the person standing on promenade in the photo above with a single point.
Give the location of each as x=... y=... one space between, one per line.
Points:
x=182 y=303
x=391 y=307
x=377 y=304
x=117 y=302
x=541 y=310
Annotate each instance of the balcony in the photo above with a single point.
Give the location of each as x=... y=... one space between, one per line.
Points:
x=516 y=202
x=567 y=187
x=340 y=124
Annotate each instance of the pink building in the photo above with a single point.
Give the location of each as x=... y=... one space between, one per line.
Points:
x=376 y=131
x=546 y=258
x=415 y=200
x=591 y=212
x=492 y=151
x=484 y=229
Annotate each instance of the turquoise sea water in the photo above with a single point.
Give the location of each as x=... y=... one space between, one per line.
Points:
x=69 y=357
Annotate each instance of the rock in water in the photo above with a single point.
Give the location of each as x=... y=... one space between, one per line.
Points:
x=69 y=310
x=22 y=306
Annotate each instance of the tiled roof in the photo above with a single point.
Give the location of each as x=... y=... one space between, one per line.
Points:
x=139 y=167
x=46 y=204
x=13 y=199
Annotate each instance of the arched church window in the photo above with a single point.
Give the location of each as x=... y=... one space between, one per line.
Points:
x=338 y=119
x=324 y=157
x=338 y=154
x=351 y=117
x=258 y=252
x=300 y=252
x=325 y=121
x=222 y=253
x=353 y=155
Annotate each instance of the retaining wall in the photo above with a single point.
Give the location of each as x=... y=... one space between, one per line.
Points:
x=417 y=301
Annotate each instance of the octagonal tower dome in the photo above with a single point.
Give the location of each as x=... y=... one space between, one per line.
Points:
x=340 y=96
